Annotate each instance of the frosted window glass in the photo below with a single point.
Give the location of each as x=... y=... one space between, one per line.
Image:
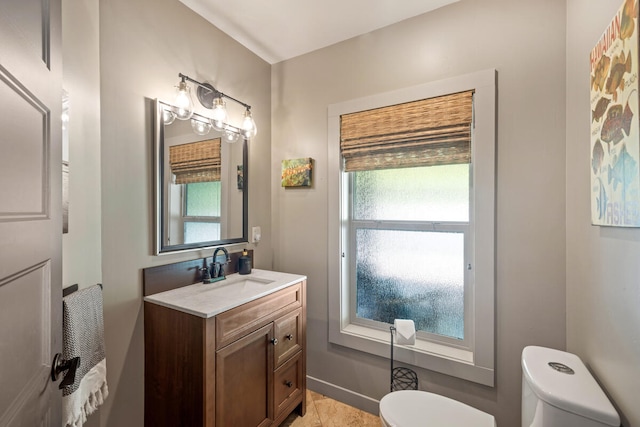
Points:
x=195 y=232
x=431 y=193
x=411 y=275
x=203 y=199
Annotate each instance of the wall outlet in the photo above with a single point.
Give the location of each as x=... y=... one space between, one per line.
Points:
x=256 y=233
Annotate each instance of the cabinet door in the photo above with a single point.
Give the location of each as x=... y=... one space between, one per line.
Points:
x=244 y=378
x=288 y=333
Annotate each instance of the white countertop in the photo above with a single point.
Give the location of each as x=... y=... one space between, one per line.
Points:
x=207 y=300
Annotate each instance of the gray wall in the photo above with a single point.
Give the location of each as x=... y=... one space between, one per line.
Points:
x=603 y=267
x=81 y=246
x=144 y=44
x=82 y=252
x=525 y=42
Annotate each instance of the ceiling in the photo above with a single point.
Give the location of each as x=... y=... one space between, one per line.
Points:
x=282 y=29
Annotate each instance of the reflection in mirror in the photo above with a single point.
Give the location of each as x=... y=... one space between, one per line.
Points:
x=201 y=196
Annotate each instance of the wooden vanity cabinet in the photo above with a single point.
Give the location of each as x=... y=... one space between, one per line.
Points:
x=243 y=367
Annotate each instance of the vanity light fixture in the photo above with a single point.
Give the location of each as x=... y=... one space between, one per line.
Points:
x=200 y=125
x=220 y=116
x=248 y=125
x=168 y=116
x=230 y=136
x=184 y=103
x=212 y=99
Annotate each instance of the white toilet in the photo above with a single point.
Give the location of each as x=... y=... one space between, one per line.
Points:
x=559 y=391
x=411 y=408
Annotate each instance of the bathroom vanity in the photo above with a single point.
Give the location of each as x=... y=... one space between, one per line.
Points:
x=229 y=353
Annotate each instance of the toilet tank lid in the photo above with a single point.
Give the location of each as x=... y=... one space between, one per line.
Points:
x=578 y=393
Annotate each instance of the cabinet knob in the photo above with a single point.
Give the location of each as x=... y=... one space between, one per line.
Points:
x=288 y=384
x=274 y=341
x=289 y=337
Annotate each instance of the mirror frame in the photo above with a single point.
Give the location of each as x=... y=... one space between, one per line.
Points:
x=159 y=169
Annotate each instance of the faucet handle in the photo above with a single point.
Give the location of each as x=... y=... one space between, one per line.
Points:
x=218 y=269
x=206 y=275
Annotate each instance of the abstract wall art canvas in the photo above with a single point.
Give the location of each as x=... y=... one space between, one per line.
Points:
x=297 y=172
x=615 y=130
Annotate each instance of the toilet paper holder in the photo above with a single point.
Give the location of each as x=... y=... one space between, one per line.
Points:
x=401 y=378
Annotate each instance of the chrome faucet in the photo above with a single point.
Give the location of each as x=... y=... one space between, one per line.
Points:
x=218 y=267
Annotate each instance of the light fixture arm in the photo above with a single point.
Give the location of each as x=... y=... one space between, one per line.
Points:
x=215 y=91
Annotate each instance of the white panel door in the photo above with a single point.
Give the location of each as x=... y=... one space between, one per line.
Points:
x=30 y=211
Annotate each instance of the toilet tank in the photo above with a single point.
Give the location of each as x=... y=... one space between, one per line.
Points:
x=559 y=391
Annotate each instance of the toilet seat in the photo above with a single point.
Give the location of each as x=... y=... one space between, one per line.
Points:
x=411 y=408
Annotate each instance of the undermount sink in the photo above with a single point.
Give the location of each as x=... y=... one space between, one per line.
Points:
x=247 y=281
x=240 y=282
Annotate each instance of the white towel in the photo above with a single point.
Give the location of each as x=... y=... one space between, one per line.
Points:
x=83 y=336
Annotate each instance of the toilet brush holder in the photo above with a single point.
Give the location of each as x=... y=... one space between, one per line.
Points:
x=401 y=378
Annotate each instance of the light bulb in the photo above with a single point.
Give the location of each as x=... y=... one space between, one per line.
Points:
x=231 y=136
x=200 y=127
x=249 y=128
x=220 y=117
x=184 y=104
x=168 y=116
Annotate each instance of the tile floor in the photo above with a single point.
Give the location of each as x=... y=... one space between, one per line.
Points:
x=325 y=412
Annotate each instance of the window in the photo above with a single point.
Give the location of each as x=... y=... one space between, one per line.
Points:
x=411 y=227
x=196 y=205
x=202 y=211
x=408 y=229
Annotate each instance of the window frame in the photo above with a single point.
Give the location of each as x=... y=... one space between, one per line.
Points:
x=474 y=360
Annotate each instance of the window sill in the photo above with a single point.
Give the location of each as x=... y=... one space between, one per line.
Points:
x=424 y=354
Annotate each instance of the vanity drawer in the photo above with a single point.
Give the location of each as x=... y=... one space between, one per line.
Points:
x=287 y=383
x=288 y=332
x=234 y=323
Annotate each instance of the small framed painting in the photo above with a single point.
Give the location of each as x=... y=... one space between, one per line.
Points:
x=240 y=172
x=297 y=172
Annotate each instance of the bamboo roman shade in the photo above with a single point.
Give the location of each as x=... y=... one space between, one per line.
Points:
x=428 y=132
x=196 y=161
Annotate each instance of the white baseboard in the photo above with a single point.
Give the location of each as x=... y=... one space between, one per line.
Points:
x=343 y=395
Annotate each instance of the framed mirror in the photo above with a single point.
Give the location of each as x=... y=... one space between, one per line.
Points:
x=201 y=195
